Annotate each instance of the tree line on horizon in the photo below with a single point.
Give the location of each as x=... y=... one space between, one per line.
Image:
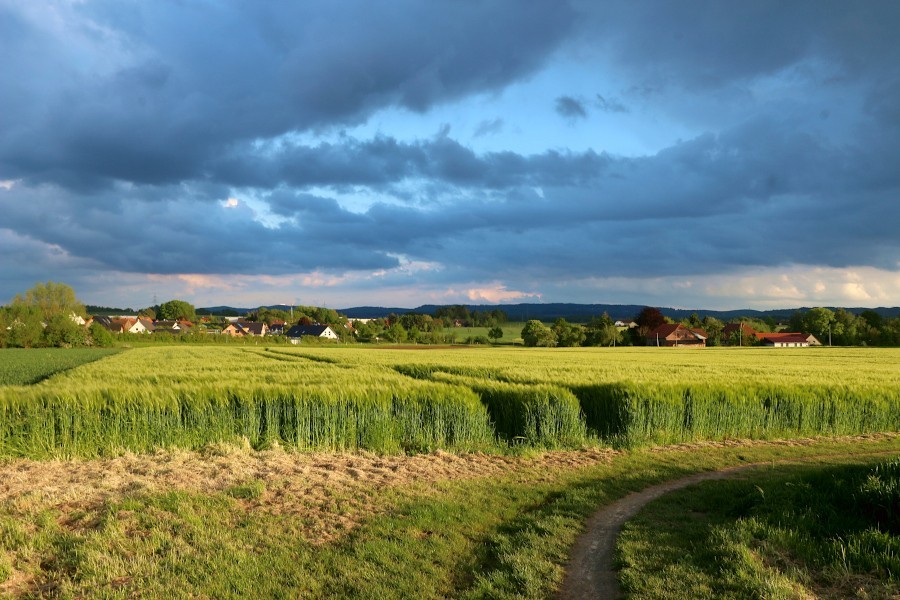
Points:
x=832 y=327
x=44 y=316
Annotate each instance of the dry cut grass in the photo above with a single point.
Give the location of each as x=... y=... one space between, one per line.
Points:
x=330 y=492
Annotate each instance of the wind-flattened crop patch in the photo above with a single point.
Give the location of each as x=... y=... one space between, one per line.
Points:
x=426 y=371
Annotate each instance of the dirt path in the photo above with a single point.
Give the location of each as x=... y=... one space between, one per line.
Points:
x=590 y=573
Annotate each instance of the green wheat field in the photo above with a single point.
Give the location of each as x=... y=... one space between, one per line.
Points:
x=408 y=401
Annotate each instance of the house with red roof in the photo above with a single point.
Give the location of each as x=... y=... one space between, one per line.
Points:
x=782 y=339
x=677 y=335
x=786 y=339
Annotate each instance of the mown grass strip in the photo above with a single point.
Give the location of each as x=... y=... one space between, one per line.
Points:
x=498 y=537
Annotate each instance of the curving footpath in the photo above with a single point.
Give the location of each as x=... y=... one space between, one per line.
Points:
x=590 y=573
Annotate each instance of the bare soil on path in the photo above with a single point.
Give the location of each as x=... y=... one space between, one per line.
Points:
x=590 y=572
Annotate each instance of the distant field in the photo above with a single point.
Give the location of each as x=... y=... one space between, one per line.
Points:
x=512 y=333
x=389 y=400
x=25 y=367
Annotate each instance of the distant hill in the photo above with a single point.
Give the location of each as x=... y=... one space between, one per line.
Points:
x=227 y=311
x=583 y=312
x=552 y=311
x=105 y=311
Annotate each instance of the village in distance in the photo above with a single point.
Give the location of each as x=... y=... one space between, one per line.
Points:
x=50 y=315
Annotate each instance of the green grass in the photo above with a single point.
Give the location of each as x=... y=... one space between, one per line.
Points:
x=787 y=532
x=512 y=333
x=496 y=537
x=26 y=367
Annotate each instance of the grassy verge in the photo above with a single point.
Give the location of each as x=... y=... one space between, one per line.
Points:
x=496 y=537
x=827 y=529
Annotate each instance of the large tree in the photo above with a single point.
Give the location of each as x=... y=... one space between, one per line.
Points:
x=568 y=334
x=536 y=333
x=713 y=328
x=175 y=310
x=649 y=319
x=51 y=299
x=818 y=321
x=602 y=331
x=395 y=333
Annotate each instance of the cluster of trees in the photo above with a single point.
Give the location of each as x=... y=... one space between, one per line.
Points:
x=411 y=327
x=298 y=315
x=44 y=316
x=432 y=329
x=450 y=315
x=599 y=331
x=843 y=328
x=840 y=327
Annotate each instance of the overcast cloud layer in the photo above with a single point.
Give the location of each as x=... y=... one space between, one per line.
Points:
x=699 y=154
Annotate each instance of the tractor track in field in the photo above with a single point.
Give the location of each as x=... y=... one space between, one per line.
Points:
x=590 y=571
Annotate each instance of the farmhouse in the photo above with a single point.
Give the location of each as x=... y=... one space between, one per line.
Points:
x=677 y=335
x=789 y=340
x=296 y=332
x=782 y=339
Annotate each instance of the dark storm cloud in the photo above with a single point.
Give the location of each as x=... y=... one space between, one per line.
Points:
x=570 y=108
x=150 y=92
x=383 y=161
x=706 y=43
x=174 y=234
x=758 y=194
x=129 y=132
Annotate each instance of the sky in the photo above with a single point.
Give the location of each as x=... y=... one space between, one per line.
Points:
x=695 y=154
